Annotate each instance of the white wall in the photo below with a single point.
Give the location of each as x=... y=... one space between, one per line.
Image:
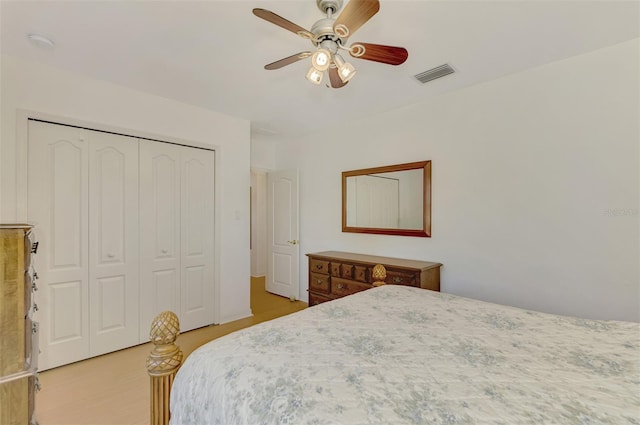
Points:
x=535 y=185
x=31 y=86
x=258 y=223
x=263 y=153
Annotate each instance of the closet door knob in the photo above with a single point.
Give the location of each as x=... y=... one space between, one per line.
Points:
x=164 y=251
x=111 y=255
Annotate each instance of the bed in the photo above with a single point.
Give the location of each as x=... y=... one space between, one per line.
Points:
x=404 y=355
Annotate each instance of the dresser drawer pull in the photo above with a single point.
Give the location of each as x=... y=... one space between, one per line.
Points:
x=319 y=266
x=397 y=279
x=340 y=286
x=318 y=281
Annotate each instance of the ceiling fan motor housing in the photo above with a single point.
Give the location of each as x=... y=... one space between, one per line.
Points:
x=325 y=5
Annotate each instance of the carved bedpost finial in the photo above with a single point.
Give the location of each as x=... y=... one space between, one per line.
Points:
x=162 y=364
x=165 y=357
x=379 y=273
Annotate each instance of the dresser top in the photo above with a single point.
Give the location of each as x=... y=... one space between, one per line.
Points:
x=374 y=259
x=15 y=226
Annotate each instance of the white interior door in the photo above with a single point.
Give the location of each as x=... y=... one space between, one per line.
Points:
x=197 y=238
x=159 y=231
x=282 y=233
x=113 y=242
x=58 y=206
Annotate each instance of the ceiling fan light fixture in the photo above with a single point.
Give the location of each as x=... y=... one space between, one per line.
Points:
x=314 y=75
x=321 y=59
x=329 y=35
x=346 y=71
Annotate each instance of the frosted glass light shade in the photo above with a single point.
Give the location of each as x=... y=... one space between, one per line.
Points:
x=346 y=71
x=321 y=59
x=314 y=75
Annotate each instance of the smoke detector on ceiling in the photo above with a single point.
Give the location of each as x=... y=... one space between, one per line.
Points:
x=434 y=73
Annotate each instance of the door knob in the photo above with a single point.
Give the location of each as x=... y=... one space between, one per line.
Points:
x=293 y=242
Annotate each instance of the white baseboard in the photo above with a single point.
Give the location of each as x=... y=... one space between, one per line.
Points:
x=233 y=318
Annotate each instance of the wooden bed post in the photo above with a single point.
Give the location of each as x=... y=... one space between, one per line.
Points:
x=162 y=364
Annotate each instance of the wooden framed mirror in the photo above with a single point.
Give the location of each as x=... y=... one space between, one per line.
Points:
x=390 y=200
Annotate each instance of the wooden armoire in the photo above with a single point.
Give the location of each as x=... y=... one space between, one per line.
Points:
x=18 y=333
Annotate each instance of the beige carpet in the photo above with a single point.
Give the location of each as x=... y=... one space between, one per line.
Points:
x=114 y=389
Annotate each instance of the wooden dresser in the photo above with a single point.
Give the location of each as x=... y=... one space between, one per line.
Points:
x=18 y=342
x=334 y=274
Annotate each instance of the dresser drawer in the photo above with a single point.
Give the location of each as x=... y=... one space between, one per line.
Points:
x=27 y=250
x=315 y=299
x=335 y=269
x=346 y=271
x=31 y=345
x=319 y=283
x=396 y=277
x=361 y=274
x=28 y=294
x=342 y=287
x=317 y=266
x=17 y=399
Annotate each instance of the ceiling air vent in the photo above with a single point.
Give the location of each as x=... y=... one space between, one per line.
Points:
x=432 y=74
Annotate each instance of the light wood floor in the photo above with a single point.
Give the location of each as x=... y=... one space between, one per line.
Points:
x=114 y=389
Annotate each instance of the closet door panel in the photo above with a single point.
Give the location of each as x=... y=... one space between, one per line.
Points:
x=159 y=231
x=164 y=283
x=113 y=247
x=58 y=206
x=197 y=244
x=66 y=308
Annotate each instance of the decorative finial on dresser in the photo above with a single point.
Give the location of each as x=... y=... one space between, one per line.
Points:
x=379 y=273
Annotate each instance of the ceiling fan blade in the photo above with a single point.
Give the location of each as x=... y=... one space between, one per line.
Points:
x=334 y=78
x=379 y=53
x=281 y=22
x=354 y=15
x=287 y=61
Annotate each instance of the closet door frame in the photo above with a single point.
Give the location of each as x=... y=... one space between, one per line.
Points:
x=22 y=171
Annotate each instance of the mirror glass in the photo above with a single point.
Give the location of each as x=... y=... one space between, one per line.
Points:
x=392 y=200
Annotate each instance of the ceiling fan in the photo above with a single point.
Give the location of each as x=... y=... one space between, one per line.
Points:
x=329 y=35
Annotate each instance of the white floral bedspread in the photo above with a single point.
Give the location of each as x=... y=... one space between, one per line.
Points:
x=401 y=355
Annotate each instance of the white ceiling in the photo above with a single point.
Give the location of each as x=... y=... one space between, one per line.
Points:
x=211 y=53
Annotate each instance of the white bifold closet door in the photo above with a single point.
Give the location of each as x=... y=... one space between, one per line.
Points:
x=113 y=242
x=83 y=199
x=176 y=234
x=126 y=231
